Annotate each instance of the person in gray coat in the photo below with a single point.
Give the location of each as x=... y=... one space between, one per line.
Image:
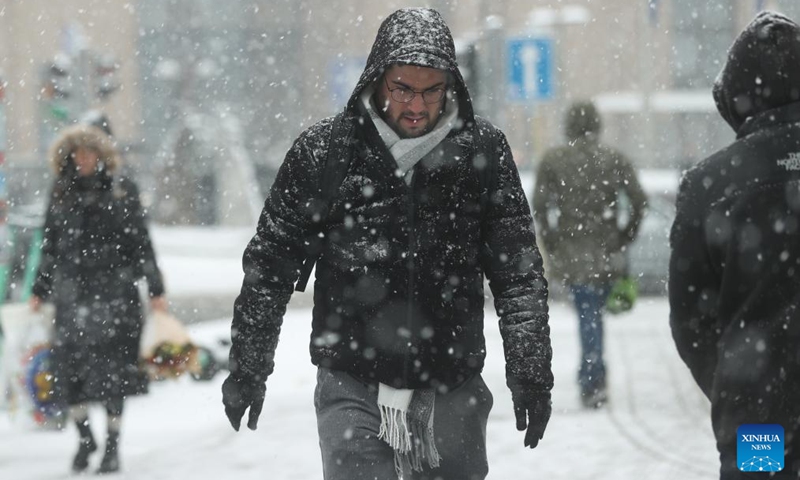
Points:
x=582 y=191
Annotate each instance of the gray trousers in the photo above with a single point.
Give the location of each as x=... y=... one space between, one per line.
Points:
x=348 y=420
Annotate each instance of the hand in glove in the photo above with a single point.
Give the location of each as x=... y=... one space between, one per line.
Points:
x=532 y=407
x=239 y=394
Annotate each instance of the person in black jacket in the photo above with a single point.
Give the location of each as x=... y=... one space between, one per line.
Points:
x=96 y=248
x=397 y=330
x=734 y=286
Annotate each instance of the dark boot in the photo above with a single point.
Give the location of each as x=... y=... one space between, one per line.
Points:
x=594 y=397
x=110 y=461
x=86 y=446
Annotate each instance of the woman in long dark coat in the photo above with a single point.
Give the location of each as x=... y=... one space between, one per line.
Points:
x=96 y=249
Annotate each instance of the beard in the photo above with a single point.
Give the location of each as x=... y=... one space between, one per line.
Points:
x=408 y=125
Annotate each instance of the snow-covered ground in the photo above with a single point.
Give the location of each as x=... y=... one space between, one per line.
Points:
x=656 y=426
x=200 y=261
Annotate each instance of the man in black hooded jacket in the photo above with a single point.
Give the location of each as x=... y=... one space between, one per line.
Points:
x=397 y=330
x=734 y=284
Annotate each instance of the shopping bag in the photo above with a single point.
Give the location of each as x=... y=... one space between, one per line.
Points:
x=25 y=367
x=167 y=351
x=622 y=296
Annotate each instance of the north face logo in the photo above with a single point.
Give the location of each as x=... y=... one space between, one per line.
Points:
x=791 y=163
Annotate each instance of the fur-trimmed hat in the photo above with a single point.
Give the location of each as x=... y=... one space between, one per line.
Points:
x=85 y=136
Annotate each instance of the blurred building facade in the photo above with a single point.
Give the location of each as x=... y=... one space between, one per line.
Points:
x=209 y=96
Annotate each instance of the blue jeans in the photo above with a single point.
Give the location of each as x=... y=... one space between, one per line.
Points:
x=590 y=300
x=348 y=420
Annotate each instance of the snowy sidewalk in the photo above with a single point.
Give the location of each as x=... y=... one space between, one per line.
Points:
x=656 y=426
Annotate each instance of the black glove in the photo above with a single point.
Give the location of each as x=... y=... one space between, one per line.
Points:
x=532 y=407
x=239 y=393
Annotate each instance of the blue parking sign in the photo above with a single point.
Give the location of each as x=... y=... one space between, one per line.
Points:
x=529 y=69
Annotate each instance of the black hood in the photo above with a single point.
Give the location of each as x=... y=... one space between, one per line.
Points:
x=762 y=71
x=582 y=120
x=414 y=36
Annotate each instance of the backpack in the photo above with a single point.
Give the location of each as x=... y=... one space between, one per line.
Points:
x=337 y=163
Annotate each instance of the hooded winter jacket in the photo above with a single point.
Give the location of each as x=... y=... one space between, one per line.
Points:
x=734 y=285
x=577 y=204
x=398 y=295
x=96 y=248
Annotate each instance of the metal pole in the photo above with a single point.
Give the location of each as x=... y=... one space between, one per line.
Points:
x=83 y=88
x=493 y=97
x=483 y=10
x=645 y=84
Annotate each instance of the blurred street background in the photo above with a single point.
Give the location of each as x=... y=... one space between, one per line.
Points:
x=205 y=98
x=184 y=82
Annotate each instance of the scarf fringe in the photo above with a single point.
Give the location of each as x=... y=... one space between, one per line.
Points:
x=412 y=441
x=394 y=429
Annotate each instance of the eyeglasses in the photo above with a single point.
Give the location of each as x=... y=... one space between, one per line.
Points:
x=405 y=95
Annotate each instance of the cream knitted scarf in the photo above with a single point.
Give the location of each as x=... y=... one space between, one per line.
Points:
x=407 y=426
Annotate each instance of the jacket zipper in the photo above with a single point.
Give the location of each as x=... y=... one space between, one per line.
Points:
x=412 y=240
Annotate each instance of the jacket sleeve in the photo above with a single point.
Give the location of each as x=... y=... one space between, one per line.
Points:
x=693 y=287
x=271 y=264
x=144 y=257
x=638 y=199
x=43 y=284
x=516 y=278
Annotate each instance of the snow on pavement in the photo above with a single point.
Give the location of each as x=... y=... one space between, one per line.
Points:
x=656 y=426
x=200 y=260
